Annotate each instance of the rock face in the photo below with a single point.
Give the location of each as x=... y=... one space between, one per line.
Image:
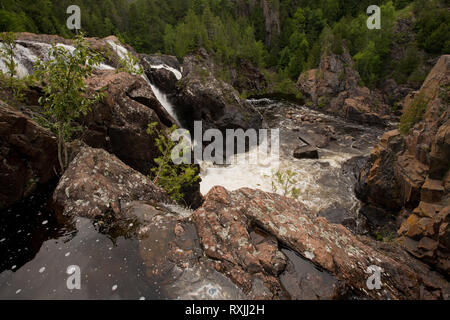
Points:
x=247 y=78
x=335 y=87
x=379 y=185
x=119 y=123
x=162 y=71
x=203 y=97
x=28 y=156
x=412 y=172
x=97 y=183
x=272 y=21
x=244 y=230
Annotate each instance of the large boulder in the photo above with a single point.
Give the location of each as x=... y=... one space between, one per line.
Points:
x=97 y=183
x=377 y=183
x=202 y=96
x=118 y=124
x=244 y=232
x=28 y=156
x=335 y=87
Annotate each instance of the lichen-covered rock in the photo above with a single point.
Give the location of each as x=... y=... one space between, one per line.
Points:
x=28 y=156
x=97 y=183
x=226 y=220
x=426 y=234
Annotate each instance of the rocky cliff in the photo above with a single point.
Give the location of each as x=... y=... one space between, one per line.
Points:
x=335 y=87
x=409 y=173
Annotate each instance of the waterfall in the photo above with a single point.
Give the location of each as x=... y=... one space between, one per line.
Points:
x=162 y=98
x=23 y=58
x=177 y=73
x=122 y=52
x=27 y=52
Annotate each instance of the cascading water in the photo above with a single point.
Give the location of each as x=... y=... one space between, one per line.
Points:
x=120 y=273
x=27 y=52
x=122 y=52
x=321 y=182
x=163 y=99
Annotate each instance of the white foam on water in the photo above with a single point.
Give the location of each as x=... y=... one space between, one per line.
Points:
x=23 y=57
x=252 y=169
x=314 y=193
x=177 y=73
x=121 y=51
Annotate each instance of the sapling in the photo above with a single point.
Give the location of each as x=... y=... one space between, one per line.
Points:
x=175 y=179
x=65 y=90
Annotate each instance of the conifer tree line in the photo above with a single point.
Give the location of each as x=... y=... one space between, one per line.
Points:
x=232 y=30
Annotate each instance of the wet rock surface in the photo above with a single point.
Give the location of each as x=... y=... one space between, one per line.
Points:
x=122 y=203
x=306 y=152
x=28 y=156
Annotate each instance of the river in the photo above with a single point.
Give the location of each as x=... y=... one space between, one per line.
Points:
x=36 y=248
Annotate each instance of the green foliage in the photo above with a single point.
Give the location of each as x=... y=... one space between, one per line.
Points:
x=231 y=31
x=175 y=179
x=65 y=90
x=227 y=38
x=414 y=113
x=385 y=237
x=284 y=181
x=130 y=64
x=7 y=52
x=433 y=27
x=369 y=64
x=10 y=79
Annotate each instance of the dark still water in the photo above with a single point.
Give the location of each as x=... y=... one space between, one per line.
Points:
x=36 y=250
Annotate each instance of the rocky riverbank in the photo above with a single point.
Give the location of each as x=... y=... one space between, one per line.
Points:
x=235 y=244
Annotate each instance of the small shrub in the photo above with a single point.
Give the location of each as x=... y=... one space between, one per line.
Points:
x=7 y=53
x=175 y=179
x=285 y=182
x=414 y=113
x=130 y=64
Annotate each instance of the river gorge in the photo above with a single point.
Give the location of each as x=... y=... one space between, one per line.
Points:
x=243 y=239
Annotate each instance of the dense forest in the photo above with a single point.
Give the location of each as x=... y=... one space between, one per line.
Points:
x=238 y=29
